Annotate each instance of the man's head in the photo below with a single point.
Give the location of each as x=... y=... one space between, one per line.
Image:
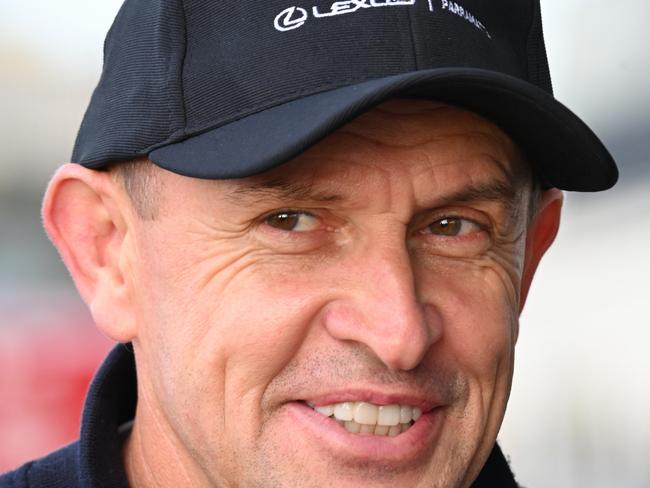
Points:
x=387 y=264
x=320 y=268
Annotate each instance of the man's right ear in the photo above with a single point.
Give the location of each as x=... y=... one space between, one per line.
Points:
x=86 y=215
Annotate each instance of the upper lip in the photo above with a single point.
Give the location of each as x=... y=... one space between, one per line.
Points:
x=377 y=396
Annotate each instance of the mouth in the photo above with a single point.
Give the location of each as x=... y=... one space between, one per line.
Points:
x=368 y=427
x=365 y=418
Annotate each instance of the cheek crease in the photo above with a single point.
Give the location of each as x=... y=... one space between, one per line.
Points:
x=223 y=266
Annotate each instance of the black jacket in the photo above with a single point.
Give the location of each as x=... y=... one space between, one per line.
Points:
x=95 y=459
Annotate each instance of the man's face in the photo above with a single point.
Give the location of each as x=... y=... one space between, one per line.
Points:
x=381 y=266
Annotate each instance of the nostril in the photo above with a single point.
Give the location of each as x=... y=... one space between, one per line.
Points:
x=388 y=319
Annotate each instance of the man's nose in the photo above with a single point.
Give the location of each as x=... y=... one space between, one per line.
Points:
x=380 y=309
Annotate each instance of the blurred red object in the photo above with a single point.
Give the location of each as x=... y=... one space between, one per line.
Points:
x=45 y=369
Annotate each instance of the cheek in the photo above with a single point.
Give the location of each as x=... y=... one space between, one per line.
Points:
x=219 y=330
x=477 y=303
x=260 y=323
x=240 y=314
x=248 y=313
x=480 y=312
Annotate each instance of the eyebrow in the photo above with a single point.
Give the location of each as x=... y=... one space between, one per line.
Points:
x=280 y=189
x=258 y=191
x=496 y=190
x=506 y=194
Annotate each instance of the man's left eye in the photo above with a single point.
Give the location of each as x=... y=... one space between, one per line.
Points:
x=453 y=227
x=292 y=221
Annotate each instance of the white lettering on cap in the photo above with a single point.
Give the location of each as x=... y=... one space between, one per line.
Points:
x=294 y=17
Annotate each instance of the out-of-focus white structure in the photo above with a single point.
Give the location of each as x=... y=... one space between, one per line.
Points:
x=580 y=408
x=579 y=413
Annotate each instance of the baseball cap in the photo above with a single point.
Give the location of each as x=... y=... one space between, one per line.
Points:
x=231 y=88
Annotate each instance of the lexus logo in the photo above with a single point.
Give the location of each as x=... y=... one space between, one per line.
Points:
x=290 y=18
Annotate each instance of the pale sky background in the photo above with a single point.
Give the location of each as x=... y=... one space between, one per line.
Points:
x=580 y=408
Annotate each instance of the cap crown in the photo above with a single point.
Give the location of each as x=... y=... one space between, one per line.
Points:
x=173 y=68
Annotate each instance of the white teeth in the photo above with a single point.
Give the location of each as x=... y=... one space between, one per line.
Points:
x=381 y=430
x=367 y=418
x=352 y=426
x=327 y=410
x=344 y=411
x=395 y=430
x=388 y=415
x=366 y=413
x=417 y=413
x=405 y=412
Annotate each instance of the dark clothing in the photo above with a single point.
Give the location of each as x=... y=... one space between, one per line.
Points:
x=95 y=459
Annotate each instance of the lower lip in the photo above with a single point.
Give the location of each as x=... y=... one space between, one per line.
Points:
x=408 y=446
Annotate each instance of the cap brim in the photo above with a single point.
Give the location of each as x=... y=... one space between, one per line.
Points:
x=565 y=153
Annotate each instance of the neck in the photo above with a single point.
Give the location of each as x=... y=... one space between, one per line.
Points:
x=153 y=455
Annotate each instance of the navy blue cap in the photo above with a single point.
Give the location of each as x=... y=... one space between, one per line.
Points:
x=227 y=89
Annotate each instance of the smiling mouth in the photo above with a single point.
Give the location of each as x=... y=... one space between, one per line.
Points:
x=371 y=419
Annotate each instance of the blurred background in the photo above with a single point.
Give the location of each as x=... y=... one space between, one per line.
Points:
x=579 y=413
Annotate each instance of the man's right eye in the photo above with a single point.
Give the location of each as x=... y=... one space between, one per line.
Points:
x=292 y=221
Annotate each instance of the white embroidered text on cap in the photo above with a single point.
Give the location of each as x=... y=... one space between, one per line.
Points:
x=293 y=17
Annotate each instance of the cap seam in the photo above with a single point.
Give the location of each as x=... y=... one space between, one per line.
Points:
x=414 y=49
x=536 y=13
x=584 y=139
x=197 y=131
x=254 y=108
x=181 y=76
x=529 y=33
x=186 y=132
